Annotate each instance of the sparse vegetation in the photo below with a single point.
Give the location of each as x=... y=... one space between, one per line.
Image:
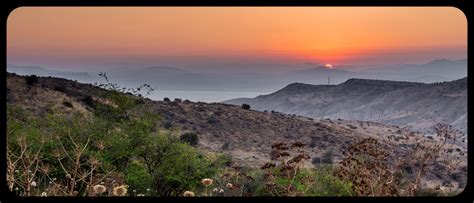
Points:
x=122 y=147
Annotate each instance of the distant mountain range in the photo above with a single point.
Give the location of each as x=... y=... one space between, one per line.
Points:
x=175 y=78
x=40 y=71
x=416 y=105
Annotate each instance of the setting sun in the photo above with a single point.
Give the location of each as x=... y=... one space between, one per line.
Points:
x=328 y=66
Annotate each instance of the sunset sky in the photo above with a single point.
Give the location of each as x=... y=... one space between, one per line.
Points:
x=69 y=38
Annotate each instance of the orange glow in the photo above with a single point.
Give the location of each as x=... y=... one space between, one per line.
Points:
x=336 y=34
x=329 y=66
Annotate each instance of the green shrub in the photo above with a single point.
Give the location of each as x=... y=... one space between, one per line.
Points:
x=138 y=178
x=190 y=138
x=245 y=106
x=175 y=166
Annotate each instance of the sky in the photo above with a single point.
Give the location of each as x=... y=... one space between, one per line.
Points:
x=230 y=38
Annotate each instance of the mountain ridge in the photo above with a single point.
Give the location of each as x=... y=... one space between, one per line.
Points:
x=408 y=104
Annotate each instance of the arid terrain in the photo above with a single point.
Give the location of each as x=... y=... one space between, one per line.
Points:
x=247 y=135
x=418 y=106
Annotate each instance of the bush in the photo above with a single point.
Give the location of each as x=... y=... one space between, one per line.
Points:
x=212 y=120
x=190 y=138
x=245 y=106
x=138 y=178
x=68 y=104
x=88 y=101
x=31 y=80
x=316 y=160
x=166 y=99
x=175 y=166
x=327 y=157
x=226 y=146
x=225 y=160
x=351 y=126
x=167 y=125
x=60 y=88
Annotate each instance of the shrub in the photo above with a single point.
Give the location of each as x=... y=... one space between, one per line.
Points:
x=225 y=160
x=174 y=166
x=88 y=101
x=31 y=80
x=68 y=104
x=351 y=126
x=316 y=160
x=60 y=88
x=327 y=157
x=138 y=178
x=167 y=125
x=140 y=101
x=245 y=106
x=166 y=99
x=226 y=146
x=190 y=138
x=212 y=120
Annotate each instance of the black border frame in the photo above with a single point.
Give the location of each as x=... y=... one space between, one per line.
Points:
x=7 y=196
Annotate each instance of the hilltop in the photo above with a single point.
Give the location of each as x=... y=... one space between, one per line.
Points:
x=418 y=106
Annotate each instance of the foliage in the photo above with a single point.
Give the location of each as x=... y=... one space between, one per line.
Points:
x=190 y=138
x=327 y=157
x=174 y=166
x=245 y=106
x=31 y=80
x=138 y=178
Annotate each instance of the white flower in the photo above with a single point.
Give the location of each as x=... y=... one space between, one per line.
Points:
x=214 y=190
x=33 y=183
x=44 y=194
x=99 y=189
x=188 y=194
x=17 y=171
x=221 y=191
x=148 y=189
x=206 y=181
x=140 y=195
x=229 y=185
x=120 y=191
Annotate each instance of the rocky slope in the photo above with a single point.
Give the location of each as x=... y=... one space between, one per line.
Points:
x=246 y=135
x=406 y=104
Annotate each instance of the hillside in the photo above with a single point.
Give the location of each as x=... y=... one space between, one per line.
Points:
x=418 y=106
x=248 y=135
